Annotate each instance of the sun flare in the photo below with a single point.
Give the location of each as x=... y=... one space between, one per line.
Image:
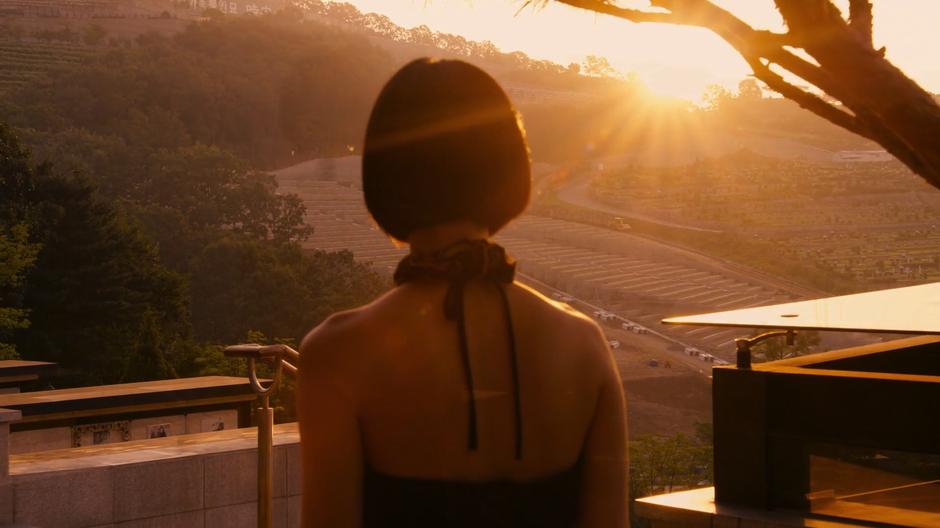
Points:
x=673 y=61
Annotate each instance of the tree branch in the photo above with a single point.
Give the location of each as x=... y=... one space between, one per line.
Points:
x=805 y=18
x=633 y=15
x=860 y=19
x=807 y=71
x=807 y=100
x=886 y=106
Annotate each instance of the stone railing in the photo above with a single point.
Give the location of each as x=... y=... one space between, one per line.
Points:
x=205 y=480
x=6 y=488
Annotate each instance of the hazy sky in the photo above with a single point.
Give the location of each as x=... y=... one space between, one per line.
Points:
x=674 y=60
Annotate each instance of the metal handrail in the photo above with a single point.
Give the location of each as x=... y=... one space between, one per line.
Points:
x=744 y=344
x=284 y=358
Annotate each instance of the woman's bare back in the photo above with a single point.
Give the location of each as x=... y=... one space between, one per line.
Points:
x=384 y=391
x=386 y=383
x=414 y=411
x=414 y=406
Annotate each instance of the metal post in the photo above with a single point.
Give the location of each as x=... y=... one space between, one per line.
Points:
x=744 y=345
x=277 y=355
x=743 y=353
x=265 y=442
x=265 y=463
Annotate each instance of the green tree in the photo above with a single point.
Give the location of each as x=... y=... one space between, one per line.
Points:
x=597 y=66
x=323 y=125
x=805 y=342
x=662 y=463
x=227 y=82
x=214 y=190
x=96 y=282
x=716 y=97
x=17 y=252
x=183 y=196
x=152 y=352
x=17 y=255
x=749 y=90
x=240 y=284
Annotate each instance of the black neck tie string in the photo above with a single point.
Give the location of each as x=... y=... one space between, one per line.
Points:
x=457 y=265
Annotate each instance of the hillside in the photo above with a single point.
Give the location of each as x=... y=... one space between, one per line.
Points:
x=557 y=255
x=24 y=63
x=872 y=224
x=567 y=114
x=278 y=107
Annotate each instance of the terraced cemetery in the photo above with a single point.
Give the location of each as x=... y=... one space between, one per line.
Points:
x=64 y=8
x=24 y=61
x=874 y=224
x=635 y=278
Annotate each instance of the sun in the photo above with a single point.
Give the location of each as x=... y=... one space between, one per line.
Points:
x=670 y=60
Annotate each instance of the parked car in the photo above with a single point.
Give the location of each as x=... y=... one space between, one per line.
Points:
x=619 y=224
x=614 y=344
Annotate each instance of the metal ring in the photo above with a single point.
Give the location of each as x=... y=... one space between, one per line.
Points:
x=256 y=386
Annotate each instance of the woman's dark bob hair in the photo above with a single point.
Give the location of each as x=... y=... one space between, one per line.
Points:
x=444 y=144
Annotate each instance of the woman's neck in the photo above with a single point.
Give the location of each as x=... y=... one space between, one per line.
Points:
x=435 y=238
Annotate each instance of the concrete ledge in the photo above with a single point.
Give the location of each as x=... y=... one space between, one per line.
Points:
x=153 y=450
x=10 y=415
x=697 y=509
x=206 y=479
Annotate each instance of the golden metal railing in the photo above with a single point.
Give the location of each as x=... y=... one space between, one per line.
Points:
x=744 y=344
x=281 y=357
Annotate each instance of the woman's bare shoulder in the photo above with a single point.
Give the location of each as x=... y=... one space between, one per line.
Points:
x=565 y=323
x=344 y=333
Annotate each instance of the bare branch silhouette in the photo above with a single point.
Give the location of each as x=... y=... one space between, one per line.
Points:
x=860 y=18
x=876 y=100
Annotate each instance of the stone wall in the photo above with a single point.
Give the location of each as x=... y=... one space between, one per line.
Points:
x=203 y=480
x=138 y=429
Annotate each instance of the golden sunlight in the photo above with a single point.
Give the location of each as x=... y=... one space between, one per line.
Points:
x=675 y=61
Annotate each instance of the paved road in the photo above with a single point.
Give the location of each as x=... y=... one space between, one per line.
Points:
x=577 y=192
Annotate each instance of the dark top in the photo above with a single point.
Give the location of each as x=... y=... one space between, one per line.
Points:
x=394 y=502
x=547 y=502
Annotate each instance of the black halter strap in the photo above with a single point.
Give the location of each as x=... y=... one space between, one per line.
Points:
x=458 y=265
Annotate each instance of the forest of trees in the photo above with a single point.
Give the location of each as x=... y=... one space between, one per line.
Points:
x=273 y=90
x=140 y=229
x=661 y=464
x=147 y=163
x=119 y=290
x=282 y=88
x=141 y=232
x=270 y=90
